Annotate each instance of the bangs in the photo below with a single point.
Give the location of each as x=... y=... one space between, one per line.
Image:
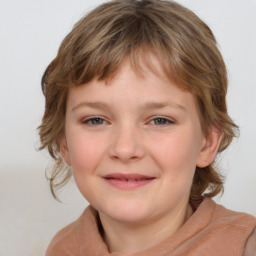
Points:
x=139 y=43
x=102 y=41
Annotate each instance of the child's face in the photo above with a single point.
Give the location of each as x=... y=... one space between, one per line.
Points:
x=133 y=144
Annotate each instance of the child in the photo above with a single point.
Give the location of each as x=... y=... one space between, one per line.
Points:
x=135 y=105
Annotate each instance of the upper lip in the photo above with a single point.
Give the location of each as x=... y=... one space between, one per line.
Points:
x=127 y=176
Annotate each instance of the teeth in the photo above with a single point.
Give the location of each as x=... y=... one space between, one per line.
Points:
x=127 y=180
x=132 y=180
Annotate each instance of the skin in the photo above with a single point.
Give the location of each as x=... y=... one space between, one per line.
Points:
x=142 y=125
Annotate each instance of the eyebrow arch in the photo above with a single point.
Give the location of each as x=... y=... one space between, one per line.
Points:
x=97 y=104
x=157 y=105
x=148 y=105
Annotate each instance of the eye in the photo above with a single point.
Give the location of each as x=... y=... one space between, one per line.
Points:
x=161 y=121
x=94 y=121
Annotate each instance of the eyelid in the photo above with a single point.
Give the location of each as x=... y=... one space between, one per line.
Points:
x=87 y=119
x=168 y=119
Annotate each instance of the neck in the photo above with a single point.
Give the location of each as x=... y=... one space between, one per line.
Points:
x=131 y=238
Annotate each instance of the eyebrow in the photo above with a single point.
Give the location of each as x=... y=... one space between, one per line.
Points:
x=96 y=104
x=148 y=105
x=157 y=105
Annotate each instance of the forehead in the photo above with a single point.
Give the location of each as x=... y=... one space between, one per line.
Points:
x=151 y=89
x=145 y=64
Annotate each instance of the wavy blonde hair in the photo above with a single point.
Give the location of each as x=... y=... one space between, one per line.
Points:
x=119 y=30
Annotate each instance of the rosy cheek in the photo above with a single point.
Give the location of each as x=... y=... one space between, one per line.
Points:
x=173 y=153
x=85 y=154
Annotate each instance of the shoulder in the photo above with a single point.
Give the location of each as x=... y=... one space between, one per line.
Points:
x=67 y=241
x=64 y=242
x=250 y=248
x=226 y=225
x=233 y=218
x=240 y=226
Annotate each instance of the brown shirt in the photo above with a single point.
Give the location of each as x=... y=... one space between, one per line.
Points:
x=211 y=230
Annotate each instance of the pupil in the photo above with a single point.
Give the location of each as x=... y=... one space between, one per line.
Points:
x=160 y=121
x=97 y=121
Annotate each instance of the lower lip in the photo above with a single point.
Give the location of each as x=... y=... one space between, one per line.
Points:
x=128 y=185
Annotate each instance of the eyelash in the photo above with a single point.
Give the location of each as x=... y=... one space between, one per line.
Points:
x=167 y=121
x=90 y=120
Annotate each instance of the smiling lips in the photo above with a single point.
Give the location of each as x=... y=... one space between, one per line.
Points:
x=127 y=181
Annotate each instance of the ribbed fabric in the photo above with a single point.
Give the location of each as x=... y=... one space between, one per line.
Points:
x=212 y=230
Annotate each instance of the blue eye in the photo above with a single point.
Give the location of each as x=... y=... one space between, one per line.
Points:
x=97 y=121
x=161 y=121
x=94 y=121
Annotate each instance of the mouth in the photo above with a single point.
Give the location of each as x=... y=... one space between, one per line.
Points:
x=128 y=181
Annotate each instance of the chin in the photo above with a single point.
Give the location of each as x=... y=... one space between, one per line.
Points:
x=127 y=213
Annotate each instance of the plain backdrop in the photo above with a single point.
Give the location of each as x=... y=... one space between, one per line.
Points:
x=30 y=34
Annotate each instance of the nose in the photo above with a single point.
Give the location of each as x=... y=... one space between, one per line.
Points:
x=127 y=145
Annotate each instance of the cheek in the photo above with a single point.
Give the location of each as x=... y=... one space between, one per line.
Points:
x=85 y=152
x=177 y=152
x=176 y=158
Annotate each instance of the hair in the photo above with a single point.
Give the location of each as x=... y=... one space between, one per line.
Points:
x=122 y=30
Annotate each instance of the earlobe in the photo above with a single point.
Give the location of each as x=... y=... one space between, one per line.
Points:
x=210 y=148
x=64 y=151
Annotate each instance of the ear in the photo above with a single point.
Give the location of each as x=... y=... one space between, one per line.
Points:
x=64 y=151
x=209 y=148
